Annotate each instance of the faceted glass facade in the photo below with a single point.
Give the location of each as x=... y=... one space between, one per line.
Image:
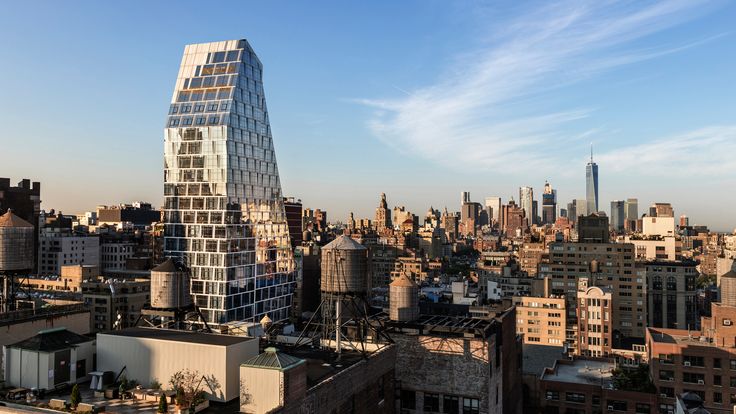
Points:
x=223 y=209
x=591 y=186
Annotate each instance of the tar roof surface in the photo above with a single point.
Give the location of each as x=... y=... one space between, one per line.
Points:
x=180 y=336
x=589 y=372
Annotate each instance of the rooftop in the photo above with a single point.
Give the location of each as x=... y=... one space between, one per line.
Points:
x=271 y=358
x=445 y=325
x=538 y=357
x=180 y=336
x=169 y=266
x=51 y=340
x=679 y=336
x=323 y=364
x=344 y=242
x=11 y=220
x=582 y=371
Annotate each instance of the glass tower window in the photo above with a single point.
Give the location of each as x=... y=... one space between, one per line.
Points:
x=223 y=208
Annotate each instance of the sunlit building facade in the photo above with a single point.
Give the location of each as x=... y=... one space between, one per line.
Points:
x=223 y=210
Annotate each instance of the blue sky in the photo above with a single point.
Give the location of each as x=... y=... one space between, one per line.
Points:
x=418 y=99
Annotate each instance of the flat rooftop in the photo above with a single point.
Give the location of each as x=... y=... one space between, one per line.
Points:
x=538 y=357
x=325 y=363
x=679 y=337
x=583 y=371
x=179 y=336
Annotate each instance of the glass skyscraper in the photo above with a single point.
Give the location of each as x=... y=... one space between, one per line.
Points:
x=223 y=208
x=591 y=184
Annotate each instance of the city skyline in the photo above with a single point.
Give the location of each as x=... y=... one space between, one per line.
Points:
x=657 y=138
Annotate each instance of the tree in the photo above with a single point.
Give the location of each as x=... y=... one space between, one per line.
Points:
x=163 y=405
x=76 y=396
x=189 y=386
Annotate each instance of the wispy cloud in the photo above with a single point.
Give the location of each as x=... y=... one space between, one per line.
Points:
x=485 y=109
x=707 y=151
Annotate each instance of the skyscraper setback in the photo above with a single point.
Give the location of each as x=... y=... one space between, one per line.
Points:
x=591 y=184
x=223 y=208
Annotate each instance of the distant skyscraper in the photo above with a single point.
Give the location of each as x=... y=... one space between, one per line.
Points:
x=581 y=207
x=684 y=221
x=617 y=215
x=549 y=204
x=383 y=214
x=632 y=209
x=526 y=202
x=494 y=203
x=464 y=197
x=223 y=209
x=591 y=184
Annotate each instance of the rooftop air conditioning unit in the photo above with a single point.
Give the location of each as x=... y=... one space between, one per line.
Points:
x=687 y=363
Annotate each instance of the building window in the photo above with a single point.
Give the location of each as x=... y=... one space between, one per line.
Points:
x=717 y=398
x=408 y=399
x=471 y=406
x=553 y=395
x=642 y=408
x=618 y=405
x=450 y=404
x=716 y=362
x=717 y=380
x=575 y=397
x=432 y=403
x=733 y=364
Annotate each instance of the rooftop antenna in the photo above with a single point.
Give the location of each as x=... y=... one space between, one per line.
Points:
x=591 y=152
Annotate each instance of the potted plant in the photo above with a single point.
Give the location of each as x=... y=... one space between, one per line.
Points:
x=76 y=396
x=163 y=405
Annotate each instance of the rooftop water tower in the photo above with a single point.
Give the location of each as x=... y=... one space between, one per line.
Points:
x=171 y=304
x=16 y=255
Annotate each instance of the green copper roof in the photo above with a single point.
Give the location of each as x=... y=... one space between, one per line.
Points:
x=272 y=359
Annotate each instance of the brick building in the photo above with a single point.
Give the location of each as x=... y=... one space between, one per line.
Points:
x=586 y=386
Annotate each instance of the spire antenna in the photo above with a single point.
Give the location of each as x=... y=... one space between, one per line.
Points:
x=591 y=152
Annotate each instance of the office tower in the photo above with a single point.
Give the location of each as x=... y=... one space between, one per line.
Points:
x=617 y=215
x=464 y=197
x=383 y=215
x=606 y=265
x=661 y=210
x=571 y=213
x=593 y=229
x=549 y=204
x=631 y=208
x=684 y=221
x=581 y=208
x=223 y=208
x=591 y=184
x=526 y=202
x=293 y=209
x=494 y=203
x=513 y=219
x=563 y=212
x=672 y=293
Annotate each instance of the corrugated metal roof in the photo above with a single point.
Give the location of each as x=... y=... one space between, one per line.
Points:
x=11 y=220
x=271 y=358
x=344 y=242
